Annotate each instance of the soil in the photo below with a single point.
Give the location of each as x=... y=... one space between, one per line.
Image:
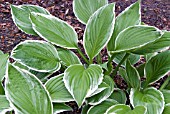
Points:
x=154 y=12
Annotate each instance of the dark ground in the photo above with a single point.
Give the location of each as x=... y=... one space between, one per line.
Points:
x=154 y=12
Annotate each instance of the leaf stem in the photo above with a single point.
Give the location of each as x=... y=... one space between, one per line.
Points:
x=109 y=64
x=165 y=83
x=117 y=68
x=82 y=55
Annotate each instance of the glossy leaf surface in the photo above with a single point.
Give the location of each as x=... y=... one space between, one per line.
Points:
x=57 y=90
x=124 y=109
x=82 y=82
x=100 y=97
x=136 y=37
x=26 y=93
x=3 y=65
x=4 y=104
x=67 y=57
x=157 y=67
x=129 y=17
x=20 y=16
x=54 y=30
x=155 y=46
x=37 y=55
x=99 y=30
x=102 y=107
x=60 y=107
x=83 y=9
x=151 y=98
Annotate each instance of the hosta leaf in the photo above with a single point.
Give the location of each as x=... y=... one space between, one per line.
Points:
x=37 y=55
x=166 y=94
x=85 y=109
x=100 y=88
x=67 y=57
x=166 y=109
x=100 y=97
x=3 y=65
x=124 y=109
x=149 y=56
x=99 y=30
x=157 y=67
x=20 y=16
x=60 y=107
x=136 y=37
x=118 y=95
x=40 y=75
x=102 y=107
x=155 y=46
x=1 y=53
x=83 y=9
x=133 y=78
x=26 y=93
x=129 y=17
x=54 y=30
x=82 y=82
x=132 y=58
x=2 y=92
x=58 y=92
x=140 y=69
x=151 y=98
x=4 y=104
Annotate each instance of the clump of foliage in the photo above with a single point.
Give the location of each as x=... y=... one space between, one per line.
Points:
x=28 y=89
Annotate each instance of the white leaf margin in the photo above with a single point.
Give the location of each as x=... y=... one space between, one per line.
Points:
x=7 y=94
x=89 y=91
x=112 y=28
x=19 y=6
x=36 y=41
x=132 y=92
x=59 y=20
x=136 y=47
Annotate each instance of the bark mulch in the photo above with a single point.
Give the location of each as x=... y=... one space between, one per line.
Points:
x=154 y=12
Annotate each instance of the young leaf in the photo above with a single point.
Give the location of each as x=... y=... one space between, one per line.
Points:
x=3 y=65
x=82 y=82
x=68 y=57
x=20 y=16
x=57 y=90
x=129 y=17
x=37 y=55
x=166 y=94
x=157 y=67
x=136 y=37
x=119 y=96
x=151 y=98
x=124 y=109
x=26 y=92
x=99 y=30
x=60 y=107
x=133 y=77
x=4 y=104
x=100 y=97
x=166 y=109
x=83 y=9
x=132 y=58
x=102 y=107
x=54 y=30
x=155 y=46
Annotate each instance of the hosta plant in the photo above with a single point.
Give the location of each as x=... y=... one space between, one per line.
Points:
x=32 y=85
